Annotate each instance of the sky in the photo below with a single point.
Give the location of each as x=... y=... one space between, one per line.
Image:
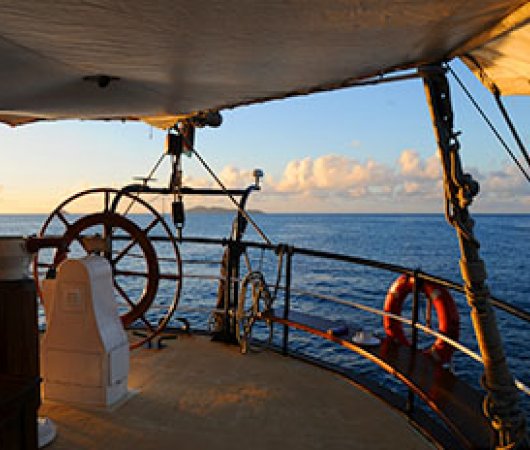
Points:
x=355 y=150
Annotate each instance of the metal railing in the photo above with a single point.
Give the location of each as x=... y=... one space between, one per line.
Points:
x=290 y=252
x=419 y=276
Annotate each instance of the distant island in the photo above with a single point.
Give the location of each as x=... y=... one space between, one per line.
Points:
x=219 y=210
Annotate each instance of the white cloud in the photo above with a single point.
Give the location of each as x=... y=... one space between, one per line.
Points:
x=335 y=173
x=411 y=187
x=196 y=181
x=233 y=177
x=411 y=165
x=503 y=190
x=506 y=181
x=342 y=183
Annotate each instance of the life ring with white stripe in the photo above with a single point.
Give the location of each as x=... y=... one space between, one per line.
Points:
x=444 y=305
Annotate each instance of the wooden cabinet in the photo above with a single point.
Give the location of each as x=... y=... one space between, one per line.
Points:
x=19 y=365
x=19 y=400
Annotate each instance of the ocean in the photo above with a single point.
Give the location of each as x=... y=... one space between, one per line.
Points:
x=415 y=241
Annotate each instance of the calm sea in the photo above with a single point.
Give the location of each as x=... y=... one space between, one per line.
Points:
x=416 y=241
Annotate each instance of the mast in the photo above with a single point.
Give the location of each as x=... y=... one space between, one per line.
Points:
x=501 y=401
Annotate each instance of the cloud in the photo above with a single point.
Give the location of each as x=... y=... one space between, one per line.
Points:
x=413 y=167
x=340 y=183
x=197 y=181
x=506 y=181
x=333 y=182
x=410 y=184
x=503 y=190
x=419 y=177
x=411 y=187
x=340 y=175
x=234 y=177
x=336 y=173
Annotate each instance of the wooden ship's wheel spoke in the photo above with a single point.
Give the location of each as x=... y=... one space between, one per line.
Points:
x=123 y=294
x=133 y=242
x=61 y=217
x=124 y=241
x=141 y=317
x=122 y=253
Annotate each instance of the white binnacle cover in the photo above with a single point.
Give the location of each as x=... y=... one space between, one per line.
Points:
x=85 y=351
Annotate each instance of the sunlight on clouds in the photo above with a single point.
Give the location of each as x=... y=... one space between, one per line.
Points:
x=328 y=183
x=296 y=176
x=412 y=166
x=233 y=177
x=197 y=181
x=334 y=173
x=357 y=192
x=504 y=190
x=411 y=187
x=508 y=181
x=413 y=184
x=341 y=183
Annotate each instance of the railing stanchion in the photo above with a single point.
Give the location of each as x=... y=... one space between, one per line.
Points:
x=414 y=339
x=228 y=290
x=287 y=298
x=235 y=256
x=415 y=309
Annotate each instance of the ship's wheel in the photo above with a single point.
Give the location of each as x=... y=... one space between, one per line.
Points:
x=138 y=244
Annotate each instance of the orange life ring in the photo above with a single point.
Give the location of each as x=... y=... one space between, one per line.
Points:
x=444 y=305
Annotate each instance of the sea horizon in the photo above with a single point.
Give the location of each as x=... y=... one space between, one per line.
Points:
x=325 y=213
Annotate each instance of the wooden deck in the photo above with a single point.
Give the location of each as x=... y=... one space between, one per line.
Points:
x=457 y=403
x=197 y=394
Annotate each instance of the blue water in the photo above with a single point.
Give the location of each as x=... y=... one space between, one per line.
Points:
x=416 y=241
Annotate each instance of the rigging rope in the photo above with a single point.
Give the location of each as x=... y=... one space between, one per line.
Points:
x=145 y=180
x=230 y=196
x=511 y=126
x=155 y=167
x=489 y=123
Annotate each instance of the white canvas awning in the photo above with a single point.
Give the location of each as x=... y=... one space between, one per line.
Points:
x=502 y=58
x=168 y=58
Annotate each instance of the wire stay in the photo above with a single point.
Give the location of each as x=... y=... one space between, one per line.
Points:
x=489 y=123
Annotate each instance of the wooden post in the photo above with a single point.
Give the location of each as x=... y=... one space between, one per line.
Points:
x=19 y=354
x=18 y=328
x=501 y=402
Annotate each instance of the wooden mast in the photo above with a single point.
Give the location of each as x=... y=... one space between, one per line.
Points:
x=501 y=402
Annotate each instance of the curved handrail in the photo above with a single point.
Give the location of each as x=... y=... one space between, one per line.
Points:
x=291 y=251
x=410 y=380
x=424 y=276
x=500 y=304
x=427 y=330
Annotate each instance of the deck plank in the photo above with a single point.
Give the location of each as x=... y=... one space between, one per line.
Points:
x=457 y=403
x=201 y=395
